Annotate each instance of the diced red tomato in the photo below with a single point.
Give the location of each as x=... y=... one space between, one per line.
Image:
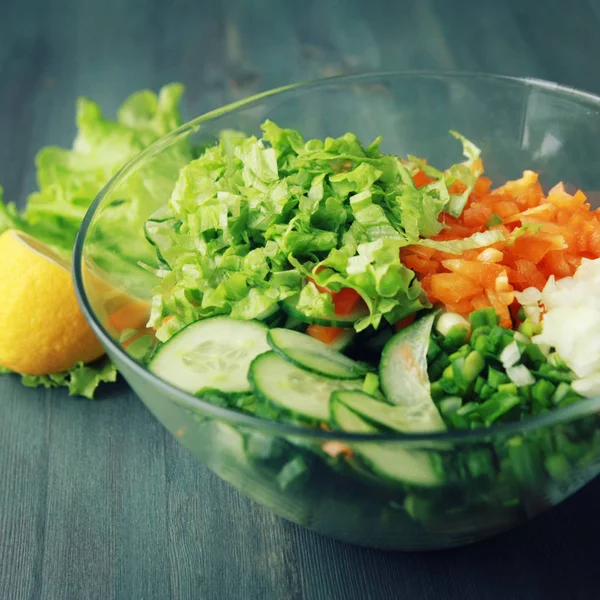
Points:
x=482 y=186
x=484 y=274
x=420 y=265
x=464 y=307
x=131 y=315
x=458 y=187
x=403 y=323
x=346 y=301
x=450 y=287
x=421 y=179
x=527 y=275
x=506 y=208
x=324 y=334
x=556 y=264
x=501 y=308
x=531 y=248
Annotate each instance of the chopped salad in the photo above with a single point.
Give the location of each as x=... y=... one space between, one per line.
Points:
x=327 y=285
x=302 y=280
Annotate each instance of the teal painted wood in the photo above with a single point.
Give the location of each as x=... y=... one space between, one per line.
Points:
x=96 y=501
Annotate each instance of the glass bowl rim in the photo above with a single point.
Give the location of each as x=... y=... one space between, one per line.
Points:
x=584 y=407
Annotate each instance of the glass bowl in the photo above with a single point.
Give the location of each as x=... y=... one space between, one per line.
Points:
x=493 y=479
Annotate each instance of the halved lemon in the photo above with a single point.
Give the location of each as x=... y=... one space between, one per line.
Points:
x=42 y=329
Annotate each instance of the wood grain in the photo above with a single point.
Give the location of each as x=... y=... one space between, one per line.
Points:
x=96 y=501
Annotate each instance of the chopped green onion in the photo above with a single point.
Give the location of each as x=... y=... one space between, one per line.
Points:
x=493 y=221
x=293 y=472
x=140 y=348
x=450 y=405
x=525 y=462
x=496 y=339
x=511 y=388
x=496 y=378
x=455 y=338
x=371 y=384
x=460 y=353
x=264 y=447
x=449 y=322
x=558 y=466
x=535 y=355
x=542 y=392
x=127 y=334
x=529 y=329
x=433 y=350
x=497 y=406
x=437 y=391
x=482 y=344
x=467 y=408
x=474 y=364
x=561 y=392
x=437 y=367
x=483 y=317
x=520 y=337
x=547 y=372
x=479 y=383
x=450 y=386
x=487 y=391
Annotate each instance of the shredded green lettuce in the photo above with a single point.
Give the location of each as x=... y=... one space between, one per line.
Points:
x=474 y=241
x=466 y=172
x=250 y=218
x=70 y=179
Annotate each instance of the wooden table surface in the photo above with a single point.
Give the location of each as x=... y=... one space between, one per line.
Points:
x=96 y=500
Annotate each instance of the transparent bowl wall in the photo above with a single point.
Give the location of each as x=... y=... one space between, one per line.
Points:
x=493 y=480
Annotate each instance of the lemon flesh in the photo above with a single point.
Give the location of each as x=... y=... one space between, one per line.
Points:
x=42 y=329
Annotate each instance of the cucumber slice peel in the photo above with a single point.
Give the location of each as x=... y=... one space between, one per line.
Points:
x=293 y=390
x=313 y=355
x=211 y=353
x=387 y=460
x=403 y=374
x=422 y=418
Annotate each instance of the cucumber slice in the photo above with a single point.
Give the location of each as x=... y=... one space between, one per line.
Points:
x=403 y=373
x=290 y=305
x=313 y=355
x=421 y=419
x=211 y=353
x=293 y=390
x=387 y=460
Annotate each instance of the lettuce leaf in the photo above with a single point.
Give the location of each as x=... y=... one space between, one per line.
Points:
x=81 y=380
x=477 y=240
x=70 y=179
x=467 y=172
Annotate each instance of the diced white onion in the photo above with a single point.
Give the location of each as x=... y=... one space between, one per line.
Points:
x=588 y=386
x=510 y=355
x=520 y=375
x=520 y=337
x=449 y=320
x=490 y=255
x=530 y=296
